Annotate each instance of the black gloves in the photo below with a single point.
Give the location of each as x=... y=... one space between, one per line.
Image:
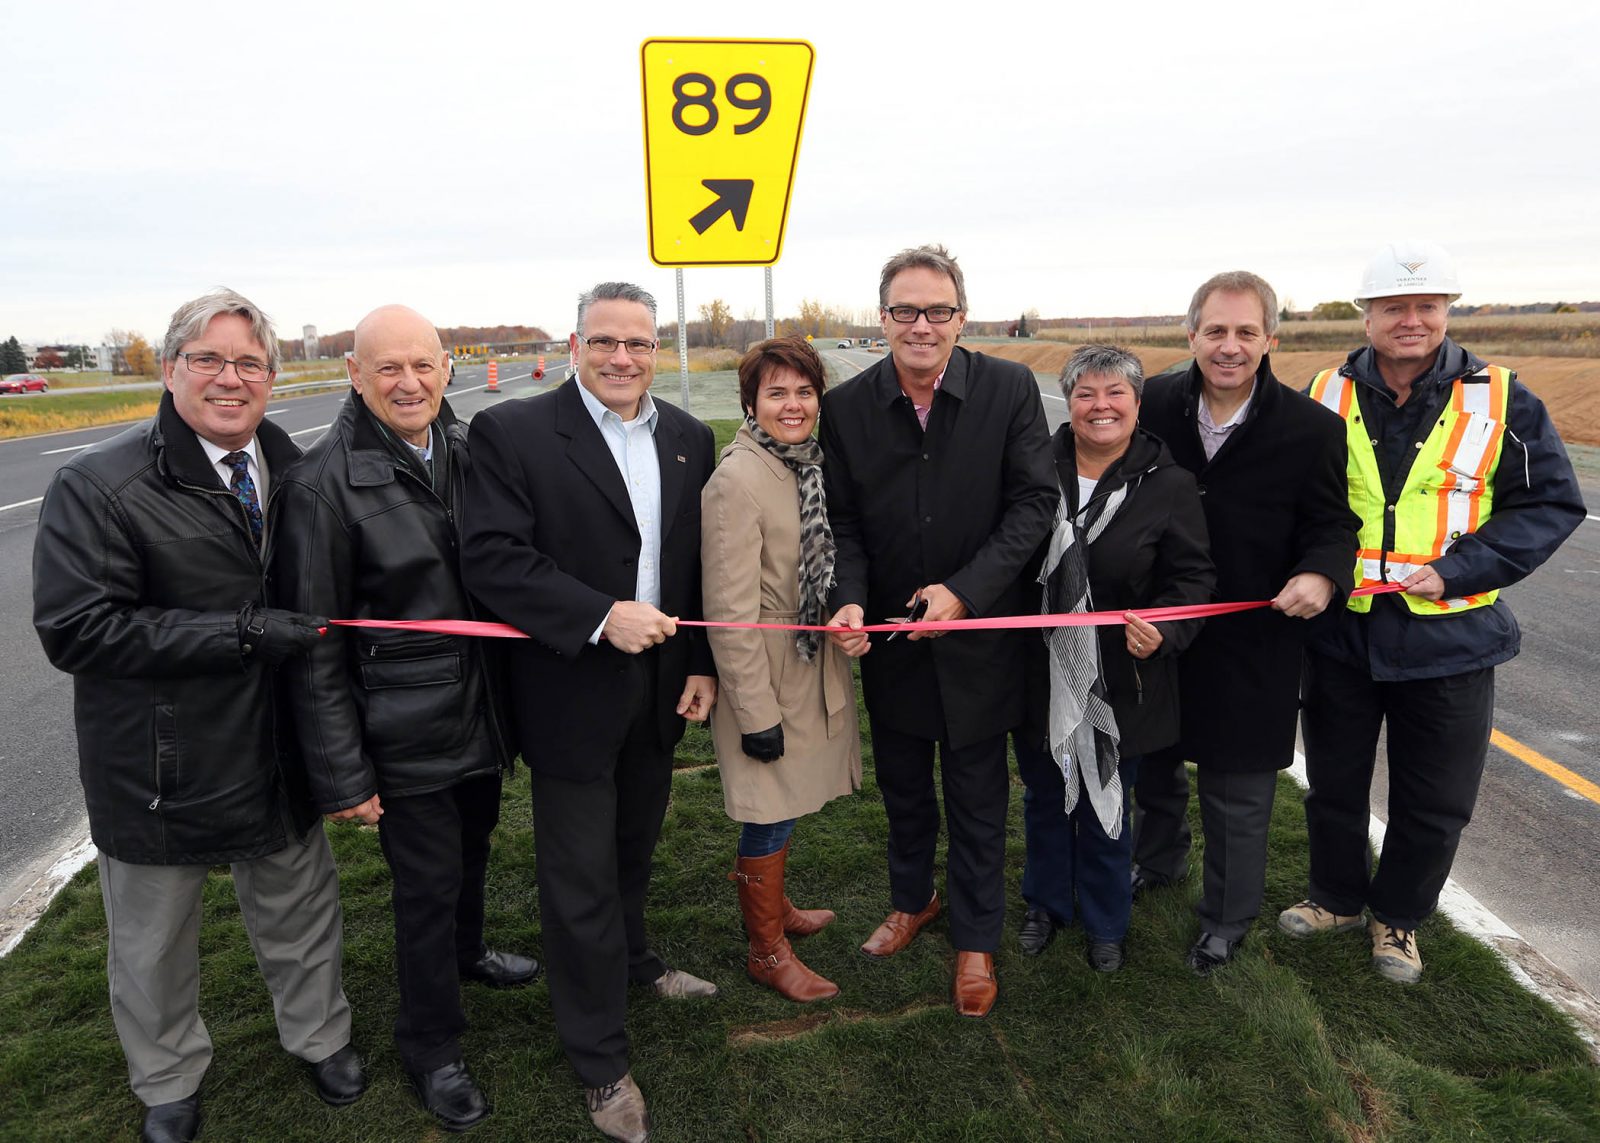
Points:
x=764 y=745
x=271 y=636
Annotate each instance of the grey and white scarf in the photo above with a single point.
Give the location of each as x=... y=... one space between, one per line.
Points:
x=1082 y=724
x=816 y=538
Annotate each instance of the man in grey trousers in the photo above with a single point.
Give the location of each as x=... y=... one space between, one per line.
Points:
x=148 y=589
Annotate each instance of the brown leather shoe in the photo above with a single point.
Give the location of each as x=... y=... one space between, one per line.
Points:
x=975 y=988
x=898 y=928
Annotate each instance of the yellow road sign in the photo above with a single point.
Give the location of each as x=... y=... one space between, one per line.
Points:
x=722 y=121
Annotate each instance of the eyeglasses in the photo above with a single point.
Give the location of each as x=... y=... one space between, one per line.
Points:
x=212 y=365
x=905 y=315
x=636 y=346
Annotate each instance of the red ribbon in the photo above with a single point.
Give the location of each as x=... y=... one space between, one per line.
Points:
x=996 y=623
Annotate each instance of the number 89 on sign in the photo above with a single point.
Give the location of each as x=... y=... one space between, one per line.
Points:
x=722 y=126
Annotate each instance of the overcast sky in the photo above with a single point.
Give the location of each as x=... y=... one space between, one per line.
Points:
x=483 y=162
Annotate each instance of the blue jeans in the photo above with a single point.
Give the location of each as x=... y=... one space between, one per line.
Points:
x=1073 y=868
x=764 y=840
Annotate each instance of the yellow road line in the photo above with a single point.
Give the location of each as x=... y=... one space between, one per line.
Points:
x=1574 y=782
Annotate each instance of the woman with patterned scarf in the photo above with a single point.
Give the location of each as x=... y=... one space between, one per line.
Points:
x=785 y=720
x=1129 y=534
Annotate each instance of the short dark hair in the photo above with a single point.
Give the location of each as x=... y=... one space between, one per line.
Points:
x=1105 y=360
x=778 y=353
x=931 y=257
x=614 y=292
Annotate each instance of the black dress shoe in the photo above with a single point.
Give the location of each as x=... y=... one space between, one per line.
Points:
x=1210 y=952
x=1038 y=930
x=1143 y=881
x=451 y=1095
x=340 y=1078
x=175 y=1122
x=501 y=969
x=1105 y=956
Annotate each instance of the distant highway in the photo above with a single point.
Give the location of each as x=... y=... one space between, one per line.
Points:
x=1530 y=855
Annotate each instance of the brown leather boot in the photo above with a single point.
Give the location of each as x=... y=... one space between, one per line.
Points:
x=803 y=922
x=772 y=962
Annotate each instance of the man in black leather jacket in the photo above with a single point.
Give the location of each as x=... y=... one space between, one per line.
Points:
x=402 y=729
x=148 y=590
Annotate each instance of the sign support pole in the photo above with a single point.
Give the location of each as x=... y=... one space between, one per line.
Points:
x=767 y=270
x=683 y=343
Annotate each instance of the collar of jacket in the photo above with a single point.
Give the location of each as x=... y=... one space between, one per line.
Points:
x=886 y=381
x=1264 y=395
x=180 y=458
x=744 y=439
x=1451 y=363
x=371 y=459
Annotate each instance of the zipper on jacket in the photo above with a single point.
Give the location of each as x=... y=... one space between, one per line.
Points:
x=1138 y=685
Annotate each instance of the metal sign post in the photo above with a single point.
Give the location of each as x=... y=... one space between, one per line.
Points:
x=683 y=345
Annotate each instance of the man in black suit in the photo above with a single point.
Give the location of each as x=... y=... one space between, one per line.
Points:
x=940 y=489
x=583 y=531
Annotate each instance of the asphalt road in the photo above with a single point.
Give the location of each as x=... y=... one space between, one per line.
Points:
x=1529 y=855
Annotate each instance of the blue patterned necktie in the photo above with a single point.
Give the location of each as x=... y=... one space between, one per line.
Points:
x=244 y=488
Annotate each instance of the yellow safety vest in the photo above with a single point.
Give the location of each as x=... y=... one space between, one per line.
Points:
x=1448 y=492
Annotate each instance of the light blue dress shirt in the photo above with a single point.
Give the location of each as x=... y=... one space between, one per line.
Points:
x=633 y=447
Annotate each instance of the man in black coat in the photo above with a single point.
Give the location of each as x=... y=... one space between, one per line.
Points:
x=939 y=488
x=583 y=531
x=399 y=729
x=1270 y=465
x=148 y=588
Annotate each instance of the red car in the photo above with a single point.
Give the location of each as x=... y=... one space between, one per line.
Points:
x=24 y=383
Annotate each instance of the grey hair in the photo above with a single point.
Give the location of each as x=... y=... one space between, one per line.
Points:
x=931 y=257
x=1110 y=360
x=1235 y=282
x=189 y=321
x=615 y=292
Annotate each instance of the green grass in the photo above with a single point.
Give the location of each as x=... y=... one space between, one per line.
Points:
x=1294 y=1041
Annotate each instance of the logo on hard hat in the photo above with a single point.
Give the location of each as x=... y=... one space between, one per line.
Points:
x=1412 y=267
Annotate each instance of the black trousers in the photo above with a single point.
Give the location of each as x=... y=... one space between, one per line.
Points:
x=1161 y=836
x=1438 y=740
x=1235 y=815
x=595 y=841
x=976 y=787
x=437 y=847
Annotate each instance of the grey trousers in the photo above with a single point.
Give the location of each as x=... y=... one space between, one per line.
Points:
x=1235 y=813
x=290 y=904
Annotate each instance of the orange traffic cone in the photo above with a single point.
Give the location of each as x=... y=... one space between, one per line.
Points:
x=494 y=376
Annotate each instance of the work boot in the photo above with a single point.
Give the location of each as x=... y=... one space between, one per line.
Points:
x=1394 y=952
x=1309 y=919
x=771 y=961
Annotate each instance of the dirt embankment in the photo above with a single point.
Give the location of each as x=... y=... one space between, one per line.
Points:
x=1569 y=386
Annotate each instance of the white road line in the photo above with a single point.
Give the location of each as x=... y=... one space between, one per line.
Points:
x=21 y=503
x=312 y=429
x=69 y=448
x=1596 y=519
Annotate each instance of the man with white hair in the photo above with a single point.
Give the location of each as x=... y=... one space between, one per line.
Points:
x=1463 y=487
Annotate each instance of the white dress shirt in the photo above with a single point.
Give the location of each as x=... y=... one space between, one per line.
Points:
x=633 y=447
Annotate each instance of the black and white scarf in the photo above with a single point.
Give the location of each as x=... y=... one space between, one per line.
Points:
x=1082 y=724
x=816 y=538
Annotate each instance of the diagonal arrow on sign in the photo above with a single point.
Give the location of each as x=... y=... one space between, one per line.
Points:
x=733 y=197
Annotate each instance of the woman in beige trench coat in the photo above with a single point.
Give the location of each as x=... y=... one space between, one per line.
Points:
x=785 y=719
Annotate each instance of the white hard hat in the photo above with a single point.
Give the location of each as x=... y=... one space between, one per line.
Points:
x=1409 y=268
